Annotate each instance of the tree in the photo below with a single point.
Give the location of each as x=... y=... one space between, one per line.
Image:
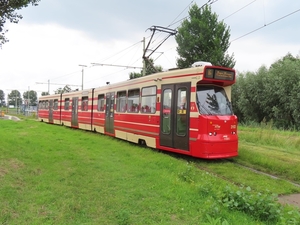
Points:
x=31 y=96
x=7 y=12
x=202 y=38
x=2 y=98
x=44 y=93
x=285 y=97
x=270 y=95
x=66 y=89
x=149 y=70
x=14 y=98
x=249 y=96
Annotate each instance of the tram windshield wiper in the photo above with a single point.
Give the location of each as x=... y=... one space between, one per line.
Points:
x=203 y=109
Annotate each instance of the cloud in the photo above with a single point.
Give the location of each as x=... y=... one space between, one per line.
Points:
x=55 y=37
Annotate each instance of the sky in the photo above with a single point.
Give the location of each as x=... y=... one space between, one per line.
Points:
x=53 y=40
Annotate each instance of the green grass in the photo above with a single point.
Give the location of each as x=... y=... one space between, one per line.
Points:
x=240 y=176
x=272 y=151
x=56 y=175
x=264 y=149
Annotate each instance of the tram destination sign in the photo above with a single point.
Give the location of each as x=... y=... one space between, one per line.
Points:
x=219 y=74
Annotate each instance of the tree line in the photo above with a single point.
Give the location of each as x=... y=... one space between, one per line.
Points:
x=29 y=98
x=270 y=95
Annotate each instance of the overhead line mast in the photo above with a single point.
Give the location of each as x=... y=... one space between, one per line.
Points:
x=154 y=29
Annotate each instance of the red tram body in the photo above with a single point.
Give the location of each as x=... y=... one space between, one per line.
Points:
x=187 y=111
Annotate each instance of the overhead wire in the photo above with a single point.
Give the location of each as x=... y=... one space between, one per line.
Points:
x=265 y=25
x=180 y=13
x=120 y=51
x=209 y=2
x=78 y=71
x=98 y=78
x=239 y=10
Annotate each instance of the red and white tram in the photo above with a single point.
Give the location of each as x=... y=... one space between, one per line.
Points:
x=187 y=111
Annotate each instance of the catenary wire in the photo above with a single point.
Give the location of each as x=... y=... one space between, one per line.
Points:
x=239 y=10
x=274 y=21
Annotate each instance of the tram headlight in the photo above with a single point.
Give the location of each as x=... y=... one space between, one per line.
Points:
x=210 y=133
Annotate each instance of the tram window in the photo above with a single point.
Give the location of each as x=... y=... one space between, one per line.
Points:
x=40 y=104
x=133 y=100
x=181 y=112
x=212 y=100
x=167 y=107
x=67 y=103
x=149 y=99
x=100 y=106
x=84 y=103
x=55 y=106
x=46 y=105
x=121 y=101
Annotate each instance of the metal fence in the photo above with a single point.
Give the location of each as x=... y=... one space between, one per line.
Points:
x=23 y=110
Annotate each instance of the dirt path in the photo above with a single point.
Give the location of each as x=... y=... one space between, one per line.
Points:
x=293 y=199
x=8 y=117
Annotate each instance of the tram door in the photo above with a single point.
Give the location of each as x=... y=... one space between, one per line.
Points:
x=74 y=121
x=109 y=113
x=175 y=116
x=51 y=111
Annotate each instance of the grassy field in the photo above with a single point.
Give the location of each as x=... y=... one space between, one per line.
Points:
x=56 y=175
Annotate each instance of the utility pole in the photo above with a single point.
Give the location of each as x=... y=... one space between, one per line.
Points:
x=16 y=101
x=144 y=62
x=154 y=29
x=82 y=75
x=28 y=97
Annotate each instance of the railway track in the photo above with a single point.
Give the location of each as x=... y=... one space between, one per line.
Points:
x=263 y=173
x=205 y=168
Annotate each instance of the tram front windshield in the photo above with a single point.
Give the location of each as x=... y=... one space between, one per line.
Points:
x=212 y=100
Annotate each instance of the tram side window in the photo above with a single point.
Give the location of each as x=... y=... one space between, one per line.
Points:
x=100 y=106
x=67 y=103
x=133 y=100
x=167 y=107
x=47 y=105
x=181 y=112
x=121 y=101
x=55 y=106
x=84 y=103
x=40 y=104
x=149 y=99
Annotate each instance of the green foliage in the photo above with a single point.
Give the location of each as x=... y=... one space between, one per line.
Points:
x=217 y=221
x=8 y=10
x=270 y=94
x=44 y=93
x=2 y=98
x=203 y=38
x=66 y=89
x=259 y=205
x=14 y=98
x=32 y=96
x=188 y=175
x=150 y=69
